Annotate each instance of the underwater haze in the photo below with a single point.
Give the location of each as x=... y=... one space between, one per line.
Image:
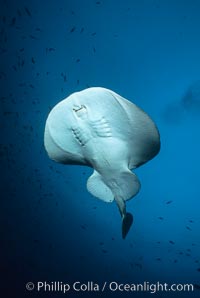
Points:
x=52 y=229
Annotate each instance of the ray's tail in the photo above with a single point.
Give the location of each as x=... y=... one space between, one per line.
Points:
x=127 y=218
x=127 y=221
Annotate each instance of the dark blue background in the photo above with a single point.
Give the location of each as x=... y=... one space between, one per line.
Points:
x=52 y=228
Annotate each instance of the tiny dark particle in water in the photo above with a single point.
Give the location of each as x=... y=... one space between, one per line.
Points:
x=104 y=251
x=198 y=269
x=51 y=49
x=94 y=50
x=64 y=76
x=78 y=60
x=191 y=221
x=160 y=217
x=172 y=242
x=94 y=33
x=196 y=286
x=169 y=202
x=33 y=60
x=196 y=261
x=98 y=2
x=101 y=243
x=138 y=265
x=82 y=29
x=175 y=261
x=158 y=259
x=21 y=50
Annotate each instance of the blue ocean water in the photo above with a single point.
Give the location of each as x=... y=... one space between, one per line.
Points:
x=52 y=229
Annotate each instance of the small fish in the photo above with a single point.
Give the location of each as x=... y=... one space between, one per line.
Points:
x=175 y=261
x=188 y=228
x=104 y=251
x=72 y=29
x=78 y=60
x=160 y=217
x=33 y=37
x=33 y=60
x=172 y=242
x=13 y=21
x=27 y=11
x=94 y=33
x=82 y=29
x=198 y=269
x=169 y=202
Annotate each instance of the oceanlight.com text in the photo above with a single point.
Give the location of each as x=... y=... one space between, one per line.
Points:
x=113 y=286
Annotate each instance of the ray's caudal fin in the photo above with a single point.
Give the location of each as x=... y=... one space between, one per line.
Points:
x=127 y=218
